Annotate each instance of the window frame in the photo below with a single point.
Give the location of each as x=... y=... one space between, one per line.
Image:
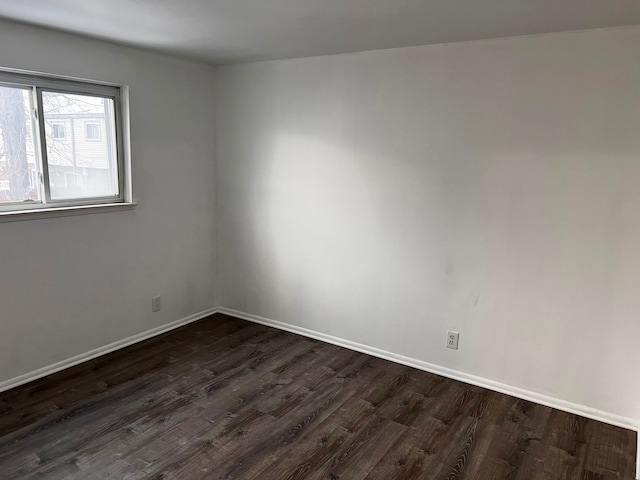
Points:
x=38 y=83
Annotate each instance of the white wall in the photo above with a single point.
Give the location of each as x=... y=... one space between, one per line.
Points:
x=69 y=285
x=491 y=187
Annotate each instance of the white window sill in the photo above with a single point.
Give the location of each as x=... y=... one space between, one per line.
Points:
x=33 y=214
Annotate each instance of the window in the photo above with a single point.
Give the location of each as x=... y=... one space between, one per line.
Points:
x=92 y=132
x=58 y=131
x=61 y=143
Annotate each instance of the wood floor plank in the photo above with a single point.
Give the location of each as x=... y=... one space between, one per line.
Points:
x=226 y=399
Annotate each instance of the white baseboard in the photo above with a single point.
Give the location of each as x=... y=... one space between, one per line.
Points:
x=517 y=392
x=83 y=357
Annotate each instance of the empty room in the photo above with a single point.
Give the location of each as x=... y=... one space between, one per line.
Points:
x=319 y=239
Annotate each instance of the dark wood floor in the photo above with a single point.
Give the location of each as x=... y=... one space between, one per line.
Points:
x=227 y=399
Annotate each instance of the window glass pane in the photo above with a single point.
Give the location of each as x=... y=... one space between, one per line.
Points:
x=82 y=161
x=18 y=166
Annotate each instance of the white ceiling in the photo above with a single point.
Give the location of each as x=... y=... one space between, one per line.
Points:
x=222 y=31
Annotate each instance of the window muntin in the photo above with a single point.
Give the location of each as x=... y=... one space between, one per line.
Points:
x=68 y=139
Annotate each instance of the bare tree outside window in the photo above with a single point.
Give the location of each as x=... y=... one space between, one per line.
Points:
x=16 y=146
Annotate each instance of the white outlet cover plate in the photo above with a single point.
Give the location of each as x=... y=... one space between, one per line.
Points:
x=156 y=305
x=452 y=339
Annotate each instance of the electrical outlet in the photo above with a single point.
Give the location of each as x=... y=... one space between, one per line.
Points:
x=155 y=304
x=452 y=339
